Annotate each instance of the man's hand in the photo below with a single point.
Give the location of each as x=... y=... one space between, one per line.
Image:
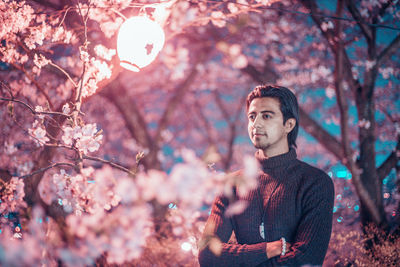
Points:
x=275 y=248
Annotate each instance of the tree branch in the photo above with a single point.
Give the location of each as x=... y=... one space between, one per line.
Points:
x=354 y=84
x=49 y=167
x=320 y=134
x=206 y=123
x=112 y=164
x=40 y=88
x=388 y=51
x=132 y=116
x=360 y=21
x=389 y=163
x=177 y=98
x=340 y=97
x=31 y=108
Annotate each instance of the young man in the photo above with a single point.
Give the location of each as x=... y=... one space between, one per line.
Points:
x=288 y=220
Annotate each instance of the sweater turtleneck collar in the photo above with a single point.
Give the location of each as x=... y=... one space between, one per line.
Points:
x=276 y=161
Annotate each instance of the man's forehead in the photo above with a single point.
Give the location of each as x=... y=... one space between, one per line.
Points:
x=264 y=104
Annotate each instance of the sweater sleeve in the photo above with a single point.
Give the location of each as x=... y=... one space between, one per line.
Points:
x=220 y=226
x=314 y=230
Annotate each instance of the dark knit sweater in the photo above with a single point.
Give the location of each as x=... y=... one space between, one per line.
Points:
x=297 y=202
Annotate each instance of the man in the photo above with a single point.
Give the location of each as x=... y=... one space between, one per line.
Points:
x=288 y=220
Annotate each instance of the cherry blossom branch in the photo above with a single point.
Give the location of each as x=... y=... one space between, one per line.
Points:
x=85 y=18
x=130 y=112
x=177 y=98
x=232 y=128
x=206 y=124
x=388 y=51
x=64 y=72
x=360 y=21
x=31 y=108
x=115 y=165
x=315 y=13
x=357 y=89
x=389 y=163
x=340 y=96
x=49 y=167
x=65 y=15
x=34 y=82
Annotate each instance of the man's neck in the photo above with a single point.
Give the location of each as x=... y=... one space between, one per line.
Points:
x=269 y=154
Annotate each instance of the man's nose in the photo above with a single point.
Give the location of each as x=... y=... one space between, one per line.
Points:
x=256 y=122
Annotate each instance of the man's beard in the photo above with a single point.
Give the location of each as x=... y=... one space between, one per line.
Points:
x=260 y=146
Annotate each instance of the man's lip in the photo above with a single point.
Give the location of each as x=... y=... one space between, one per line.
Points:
x=258 y=134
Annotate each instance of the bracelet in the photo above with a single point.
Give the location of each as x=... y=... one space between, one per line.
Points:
x=283 y=240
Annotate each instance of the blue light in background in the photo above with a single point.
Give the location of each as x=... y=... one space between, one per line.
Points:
x=356 y=208
x=172 y=206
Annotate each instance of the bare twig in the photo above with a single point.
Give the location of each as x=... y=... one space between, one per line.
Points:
x=63 y=71
x=49 y=167
x=31 y=108
x=115 y=165
x=34 y=82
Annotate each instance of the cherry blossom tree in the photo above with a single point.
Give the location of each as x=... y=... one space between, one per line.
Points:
x=95 y=158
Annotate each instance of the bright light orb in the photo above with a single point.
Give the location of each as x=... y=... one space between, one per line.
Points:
x=140 y=39
x=186 y=246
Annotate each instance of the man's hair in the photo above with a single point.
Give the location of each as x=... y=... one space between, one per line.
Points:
x=288 y=105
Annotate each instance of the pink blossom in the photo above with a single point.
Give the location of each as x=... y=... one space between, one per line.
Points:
x=40 y=61
x=104 y=52
x=217 y=18
x=66 y=109
x=86 y=138
x=38 y=133
x=12 y=197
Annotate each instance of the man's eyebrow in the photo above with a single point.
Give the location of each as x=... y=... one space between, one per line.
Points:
x=268 y=111
x=264 y=111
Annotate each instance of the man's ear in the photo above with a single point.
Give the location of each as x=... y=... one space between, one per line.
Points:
x=290 y=124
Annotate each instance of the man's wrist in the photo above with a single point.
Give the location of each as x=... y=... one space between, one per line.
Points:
x=273 y=249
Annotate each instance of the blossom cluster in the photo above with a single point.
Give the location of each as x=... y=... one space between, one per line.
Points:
x=88 y=191
x=85 y=138
x=96 y=71
x=38 y=132
x=30 y=248
x=12 y=196
x=123 y=233
x=108 y=216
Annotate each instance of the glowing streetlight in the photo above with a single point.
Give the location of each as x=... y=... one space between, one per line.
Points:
x=140 y=39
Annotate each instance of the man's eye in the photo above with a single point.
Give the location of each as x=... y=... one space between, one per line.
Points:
x=266 y=116
x=251 y=117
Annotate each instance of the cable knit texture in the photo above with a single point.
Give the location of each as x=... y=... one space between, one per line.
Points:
x=297 y=202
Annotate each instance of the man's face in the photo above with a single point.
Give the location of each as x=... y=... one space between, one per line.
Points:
x=266 y=128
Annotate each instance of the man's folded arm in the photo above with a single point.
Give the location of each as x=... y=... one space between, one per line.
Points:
x=214 y=249
x=314 y=230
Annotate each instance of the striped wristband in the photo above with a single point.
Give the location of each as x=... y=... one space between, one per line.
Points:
x=283 y=240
